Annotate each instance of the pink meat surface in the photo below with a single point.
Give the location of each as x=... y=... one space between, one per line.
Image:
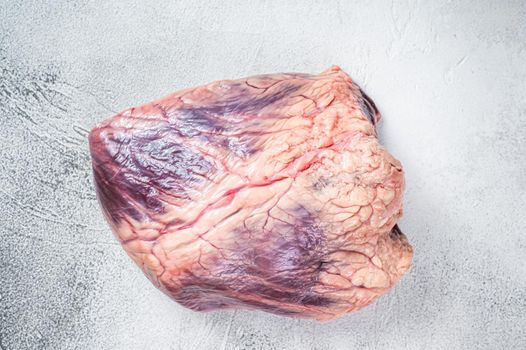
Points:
x=270 y=192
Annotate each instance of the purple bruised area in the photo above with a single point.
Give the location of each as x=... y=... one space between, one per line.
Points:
x=133 y=168
x=279 y=265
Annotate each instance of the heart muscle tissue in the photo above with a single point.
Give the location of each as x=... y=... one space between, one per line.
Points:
x=270 y=192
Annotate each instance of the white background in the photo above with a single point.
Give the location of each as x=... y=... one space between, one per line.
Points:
x=448 y=76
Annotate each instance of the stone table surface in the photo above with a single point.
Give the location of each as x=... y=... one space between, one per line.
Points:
x=448 y=76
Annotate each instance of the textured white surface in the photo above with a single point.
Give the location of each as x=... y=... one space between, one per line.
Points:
x=448 y=76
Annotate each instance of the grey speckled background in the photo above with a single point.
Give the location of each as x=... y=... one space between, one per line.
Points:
x=449 y=77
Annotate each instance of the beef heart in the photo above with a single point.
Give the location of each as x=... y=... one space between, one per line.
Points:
x=270 y=192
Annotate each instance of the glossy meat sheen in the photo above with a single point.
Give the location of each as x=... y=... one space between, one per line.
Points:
x=270 y=192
